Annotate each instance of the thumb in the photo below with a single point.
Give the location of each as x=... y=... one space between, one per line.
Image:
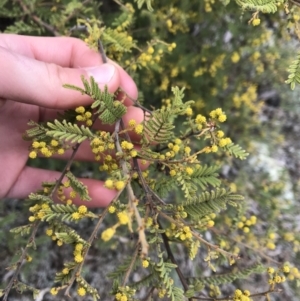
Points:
x=38 y=83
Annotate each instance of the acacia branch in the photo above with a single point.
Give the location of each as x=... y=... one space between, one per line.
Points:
x=13 y=280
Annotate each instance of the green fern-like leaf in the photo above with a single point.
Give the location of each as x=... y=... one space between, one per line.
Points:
x=22 y=230
x=159 y=127
x=294 y=72
x=265 y=6
x=119 y=40
x=125 y=19
x=210 y=202
x=70 y=237
x=229 y=277
x=177 y=105
x=108 y=109
x=37 y=131
x=39 y=197
x=165 y=185
x=121 y=270
x=206 y=175
x=66 y=131
x=78 y=187
x=236 y=150
x=140 y=3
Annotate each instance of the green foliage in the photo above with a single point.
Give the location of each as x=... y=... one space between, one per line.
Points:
x=294 y=73
x=265 y=6
x=68 y=131
x=236 y=151
x=108 y=110
x=196 y=285
x=78 y=187
x=210 y=202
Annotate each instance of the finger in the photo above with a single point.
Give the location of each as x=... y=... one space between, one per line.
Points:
x=62 y=51
x=41 y=84
x=38 y=70
x=30 y=180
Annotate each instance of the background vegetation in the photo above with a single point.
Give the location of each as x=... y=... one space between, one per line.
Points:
x=225 y=57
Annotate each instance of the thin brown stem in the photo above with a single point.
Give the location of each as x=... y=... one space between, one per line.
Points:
x=13 y=280
x=38 y=20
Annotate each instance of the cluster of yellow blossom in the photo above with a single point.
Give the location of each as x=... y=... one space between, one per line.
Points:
x=108 y=233
x=78 y=253
x=245 y=223
x=214 y=291
x=218 y=114
x=38 y=211
x=249 y=98
x=109 y=165
x=128 y=148
x=115 y=184
x=183 y=233
x=101 y=143
x=208 y=5
x=200 y=71
x=138 y=128
x=175 y=19
x=121 y=297
x=80 y=213
x=270 y=244
x=241 y=296
x=125 y=293
x=206 y=221
x=44 y=149
x=61 y=193
x=164 y=83
x=84 y=116
x=216 y=64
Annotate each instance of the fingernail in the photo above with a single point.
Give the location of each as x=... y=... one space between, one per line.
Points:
x=102 y=74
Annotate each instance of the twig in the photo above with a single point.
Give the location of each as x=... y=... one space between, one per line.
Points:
x=135 y=254
x=208 y=244
x=13 y=280
x=131 y=196
x=92 y=237
x=230 y=298
x=37 y=20
x=171 y=256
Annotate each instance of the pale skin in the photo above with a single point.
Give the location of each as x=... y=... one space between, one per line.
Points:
x=33 y=71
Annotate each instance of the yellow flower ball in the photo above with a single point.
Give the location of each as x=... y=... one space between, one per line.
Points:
x=78 y=258
x=82 y=209
x=80 y=110
x=189 y=171
x=108 y=234
x=145 y=263
x=32 y=154
x=53 y=291
x=76 y=215
x=81 y=291
x=109 y=184
x=139 y=129
x=119 y=185
x=256 y=22
x=189 y=111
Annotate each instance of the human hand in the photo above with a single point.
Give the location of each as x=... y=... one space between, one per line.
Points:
x=33 y=71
